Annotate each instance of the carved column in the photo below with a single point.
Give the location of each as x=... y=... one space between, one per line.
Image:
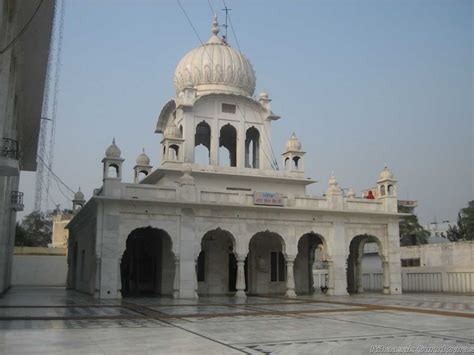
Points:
x=386 y=277
x=331 y=281
x=196 y=279
x=176 y=278
x=290 y=277
x=240 y=281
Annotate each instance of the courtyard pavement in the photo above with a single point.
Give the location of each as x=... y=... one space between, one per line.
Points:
x=56 y=321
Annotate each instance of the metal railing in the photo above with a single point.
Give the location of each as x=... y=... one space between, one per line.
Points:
x=16 y=198
x=9 y=148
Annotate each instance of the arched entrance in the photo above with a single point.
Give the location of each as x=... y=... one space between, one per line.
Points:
x=365 y=265
x=310 y=255
x=266 y=272
x=217 y=265
x=147 y=266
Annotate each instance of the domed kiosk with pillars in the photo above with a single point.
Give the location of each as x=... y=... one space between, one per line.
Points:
x=217 y=217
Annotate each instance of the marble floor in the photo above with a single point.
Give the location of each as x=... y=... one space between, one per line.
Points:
x=56 y=321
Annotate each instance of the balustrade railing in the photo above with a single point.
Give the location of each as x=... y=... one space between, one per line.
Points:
x=16 y=198
x=9 y=148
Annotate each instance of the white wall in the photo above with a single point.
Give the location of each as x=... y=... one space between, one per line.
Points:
x=445 y=267
x=39 y=270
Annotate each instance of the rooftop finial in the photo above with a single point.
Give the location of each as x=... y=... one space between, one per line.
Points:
x=215 y=26
x=113 y=140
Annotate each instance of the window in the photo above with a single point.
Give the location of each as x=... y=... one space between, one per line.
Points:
x=202 y=144
x=228 y=146
x=277 y=266
x=295 y=163
x=201 y=267
x=411 y=262
x=113 y=171
x=173 y=152
x=228 y=108
x=252 y=141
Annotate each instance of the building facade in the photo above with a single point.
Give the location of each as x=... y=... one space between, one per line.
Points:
x=60 y=233
x=232 y=224
x=25 y=35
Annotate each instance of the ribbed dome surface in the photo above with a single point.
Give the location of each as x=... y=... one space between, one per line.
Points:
x=143 y=159
x=113 y=151
x=216 y=67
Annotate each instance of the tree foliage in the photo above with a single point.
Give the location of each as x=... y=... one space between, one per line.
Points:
x=35 y=230
x=411 y=232
x=464 y=228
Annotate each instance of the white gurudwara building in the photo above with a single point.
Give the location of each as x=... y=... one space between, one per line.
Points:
x=235 y=225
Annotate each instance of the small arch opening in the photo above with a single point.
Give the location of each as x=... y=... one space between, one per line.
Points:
x=252 y=143
x=113 y=171
x=382 y=190
x=173 y=152
x=202 y=144
x=295 y=163
x=228 y=146
x=390 y=190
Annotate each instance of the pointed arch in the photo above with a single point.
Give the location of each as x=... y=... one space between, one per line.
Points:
x=202 y=143
x=228 y=140
x=252 y=148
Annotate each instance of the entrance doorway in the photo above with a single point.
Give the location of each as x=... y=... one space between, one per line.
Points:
x=217 y=265
x=308 y=245
x=147 y=266
x=364 y=252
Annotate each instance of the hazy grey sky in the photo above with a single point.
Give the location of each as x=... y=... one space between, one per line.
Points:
x=362 y=83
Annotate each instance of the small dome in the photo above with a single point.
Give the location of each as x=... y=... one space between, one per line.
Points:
x=113 y=151
x=386 y=174
x=263 y=95
x=333 y=186
x=215 y=67
x=79 y=196
x=293 y=144
x=351 y=193
x=143 y=159
x=172 y=131
x=332 y=181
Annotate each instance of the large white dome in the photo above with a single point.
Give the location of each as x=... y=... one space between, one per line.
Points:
x=215 y=67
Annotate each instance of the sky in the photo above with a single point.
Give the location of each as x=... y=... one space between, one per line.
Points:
x=362 y=84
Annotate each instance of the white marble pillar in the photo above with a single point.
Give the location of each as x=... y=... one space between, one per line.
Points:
x=119 y=279
x=176 y=278
x=195 y=278
x=386 y=278
x=290 y=277
x=240 y=281
x=331 y=280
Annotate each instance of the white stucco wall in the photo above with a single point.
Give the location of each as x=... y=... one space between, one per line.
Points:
x=445 y=267
x=39 y=270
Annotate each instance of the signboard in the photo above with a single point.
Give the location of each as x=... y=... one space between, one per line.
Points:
x=268 y=198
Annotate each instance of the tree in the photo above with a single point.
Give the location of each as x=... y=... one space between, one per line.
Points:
x=464 y=228
x=411 y=232
x=35 y=230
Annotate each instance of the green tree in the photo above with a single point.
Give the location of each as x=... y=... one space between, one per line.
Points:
x=411 y=232
x=464 y=228
x=35 y=230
